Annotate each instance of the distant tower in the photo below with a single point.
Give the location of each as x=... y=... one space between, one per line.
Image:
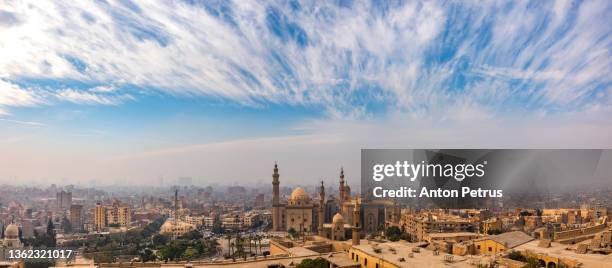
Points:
x=321 y=207
x=356 y=226
x=276 y=224
x=175 y=219
x=341 y=185
x=175 y=205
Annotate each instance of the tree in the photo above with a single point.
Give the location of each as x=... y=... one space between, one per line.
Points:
x=229 y=245
x=517 y=256
x=170 y=251
x=50 y=228
x=217 y=227
x=393 y=233
x=192 y=235
x=532 y=263
x=159 y=240
x=316 y=263
x=66 y=225
x=239 y=242
x=494 y=232
x=40 y=263
x=209 y=247
x=293 y=233
x=190 y=253
x=147 y=255
x=524 y=213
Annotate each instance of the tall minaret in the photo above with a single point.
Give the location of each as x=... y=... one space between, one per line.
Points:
x=321 y=208
x=356 y=226
x=276 y=224
x=174 y=234
x=341 y=185
x=175 y=205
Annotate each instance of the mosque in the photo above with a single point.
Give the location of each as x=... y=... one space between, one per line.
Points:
x=335 y=218
x=11 y=237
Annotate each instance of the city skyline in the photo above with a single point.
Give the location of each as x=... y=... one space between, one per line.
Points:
x=219 y=91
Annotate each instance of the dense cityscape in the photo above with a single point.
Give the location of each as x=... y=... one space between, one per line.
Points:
x=310 y=226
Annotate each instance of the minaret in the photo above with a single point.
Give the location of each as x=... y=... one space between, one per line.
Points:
x=321 y=208
x=356 y=226
x=175 y=205
x=174 y=234
x=341 y=185
x=276 y=225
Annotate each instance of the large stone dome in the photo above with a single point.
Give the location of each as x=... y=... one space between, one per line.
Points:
x=299 y=194
x=338 y=218
x=11 y=231
x=299 y=197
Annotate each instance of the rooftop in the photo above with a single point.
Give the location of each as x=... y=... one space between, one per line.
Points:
x=511 y=239
x=560 y=250
x=394 y=251
x=437 y=235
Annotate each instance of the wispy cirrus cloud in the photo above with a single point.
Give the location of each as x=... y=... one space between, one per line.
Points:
x=84 y=97
x=26 y=123
x=351 y=58
x=13 y=95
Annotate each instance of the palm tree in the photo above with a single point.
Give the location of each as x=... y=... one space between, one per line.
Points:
x=249 y=240
x=229 y=244
x=259 y=238
x=255 y=240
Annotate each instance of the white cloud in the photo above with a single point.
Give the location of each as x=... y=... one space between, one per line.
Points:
x=26 y=123
x=103 y=89
x=13 y=95
x=82 y=97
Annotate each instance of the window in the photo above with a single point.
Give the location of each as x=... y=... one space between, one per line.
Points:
x=365 y=262
x=352 y=255
x=377 y=265
x=490 y=249
x=478 y=247
x=357 y=258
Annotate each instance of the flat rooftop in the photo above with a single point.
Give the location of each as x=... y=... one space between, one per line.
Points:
x=436 y=235
x=559 y=250
x=424 y=258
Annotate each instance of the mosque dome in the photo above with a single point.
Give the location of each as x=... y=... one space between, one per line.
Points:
x=11 y=231
x=299 y=194
x=338 y=218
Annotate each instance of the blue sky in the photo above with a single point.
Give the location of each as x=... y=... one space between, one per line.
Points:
x=139 y=90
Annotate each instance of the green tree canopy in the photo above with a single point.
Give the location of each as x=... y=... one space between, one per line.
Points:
x=316 y=263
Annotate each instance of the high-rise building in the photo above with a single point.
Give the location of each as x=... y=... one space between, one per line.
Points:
x=116 y=215
x=64 y=200
x=27 y=228
x=76 y=217
x=100 y=220
x=259 y=200
x=119 y=214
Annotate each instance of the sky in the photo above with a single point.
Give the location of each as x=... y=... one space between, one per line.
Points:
x=130 y=92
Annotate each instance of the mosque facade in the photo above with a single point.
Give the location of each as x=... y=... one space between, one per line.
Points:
x=336 y=218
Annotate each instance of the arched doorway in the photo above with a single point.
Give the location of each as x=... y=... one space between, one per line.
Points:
x=551 y=265
x=541 y=263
